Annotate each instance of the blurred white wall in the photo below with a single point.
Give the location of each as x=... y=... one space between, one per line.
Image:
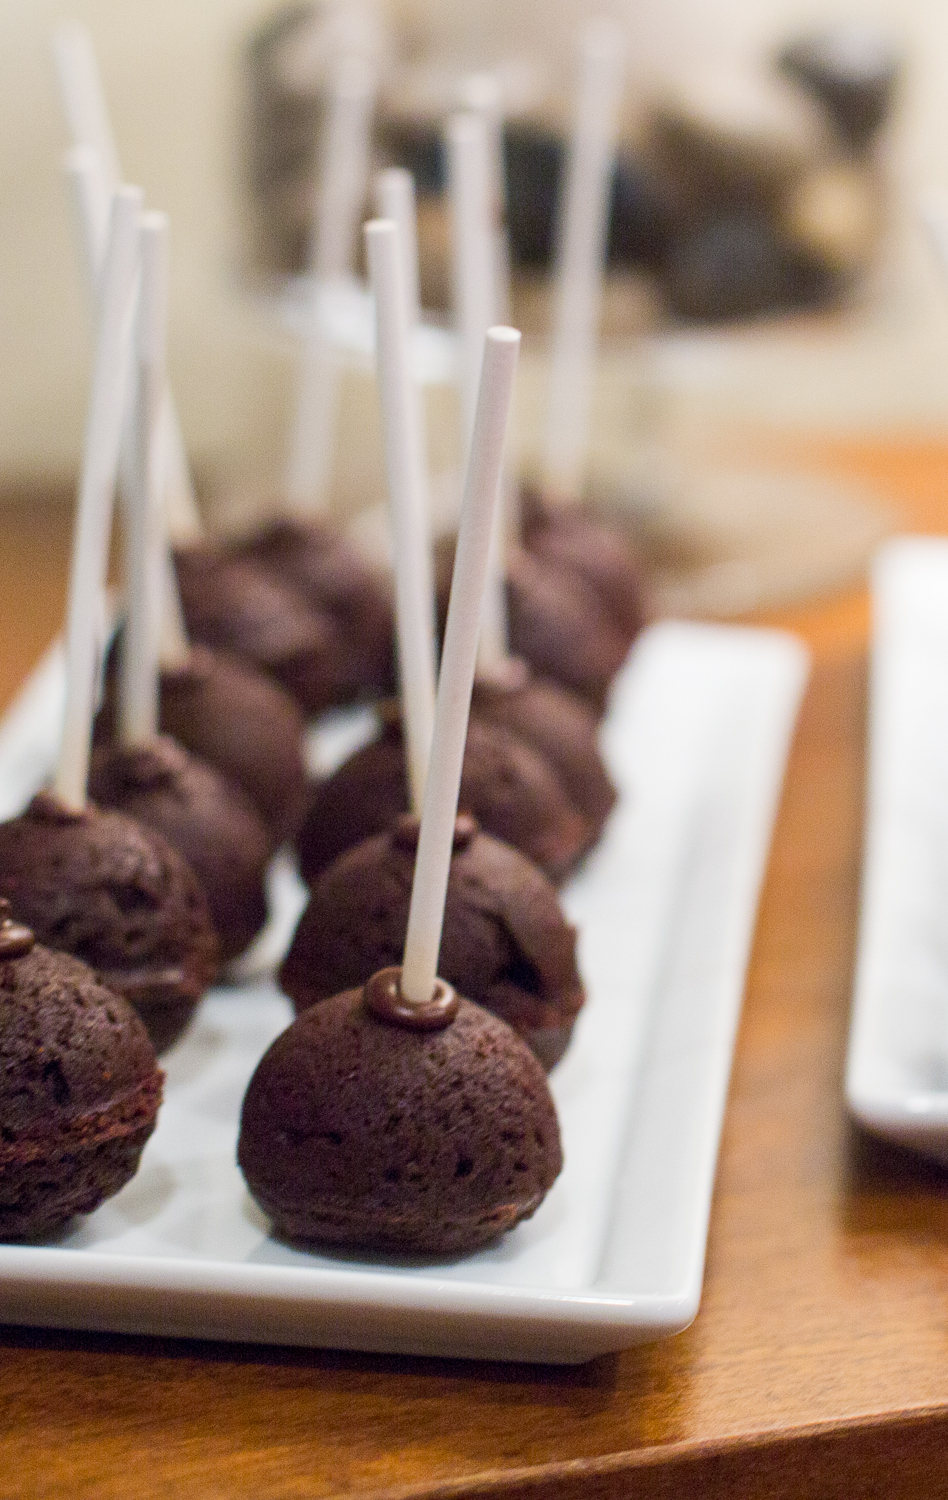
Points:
x=170 y=75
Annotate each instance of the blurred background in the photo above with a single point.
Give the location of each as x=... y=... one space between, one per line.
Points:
x=769 y=280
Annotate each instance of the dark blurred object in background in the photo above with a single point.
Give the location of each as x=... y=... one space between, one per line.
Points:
x=748 y=195
x=853 y=70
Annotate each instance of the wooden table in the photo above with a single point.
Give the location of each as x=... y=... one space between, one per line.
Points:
x=818 y=1364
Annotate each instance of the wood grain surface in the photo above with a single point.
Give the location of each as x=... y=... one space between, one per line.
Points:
x=818 y=1364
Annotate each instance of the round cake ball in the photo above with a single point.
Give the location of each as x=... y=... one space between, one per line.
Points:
x=557 y=724
x=509 y=788
x=332 y=577
x=231 y=605
x=238 y=720
x=555 y=621
x=79 y=1087
x=559 y=625
x=98 y=885
x=598 y=551
x=244 y=725
x=505 y=943
x=210 y=822
x=360 y=1130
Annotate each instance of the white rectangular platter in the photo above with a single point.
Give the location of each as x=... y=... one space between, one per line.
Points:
x=897 y=1063
x=697 y=737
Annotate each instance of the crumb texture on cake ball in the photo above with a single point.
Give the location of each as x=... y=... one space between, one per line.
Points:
x=101 y=887
x=505 y=943
x=209 y=820
x=512 y=791
x=366 y=1135
x=561 y=727
x=231 y=605
x=79 y=1092
x=235 y=717
x=335 y=580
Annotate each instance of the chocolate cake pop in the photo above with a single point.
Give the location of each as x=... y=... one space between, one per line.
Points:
x=79 y=1089
x=239 y=721
x=505 y=943
x=101 y=887
x=360 y=1131
x=231 y=605
x=329 y=574
x=208 y=820
x=243 y=724
x=555 y=723
x=555 y=622
x=399 y=1117
x=510 y=789
x=559 y=625
x=576 y=538
x=96 y=884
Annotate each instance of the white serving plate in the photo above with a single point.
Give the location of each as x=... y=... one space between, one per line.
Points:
x=697 y=738
x=897 y=1063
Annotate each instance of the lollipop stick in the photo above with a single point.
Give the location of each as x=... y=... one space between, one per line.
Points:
x=145 y=549
x=174 y=646
x=408 y=501
x=341 y=192
x=395 y=200
x=475 y=295
x=482 y=93
x=91 y=199
x=94 y=173
x=426 y=912
x=97 y=490
x=580 y=258
x=472 y=254
x=83 y=97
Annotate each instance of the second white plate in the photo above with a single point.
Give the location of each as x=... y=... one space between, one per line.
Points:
x=897 y=1063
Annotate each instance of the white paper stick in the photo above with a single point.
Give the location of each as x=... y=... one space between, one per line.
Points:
x=91 y=200
x=483 y=94
x=97 y=490
x=174 y=645
x=144 y=521
x=342 y=183
x=83 y=97
x=344 y=167
x=580 y=258
x=94 y=172
x=395 y=200
x=91 y=196
x=426 y=912
x=408 y=501
x=472 y=255
x=475 y=293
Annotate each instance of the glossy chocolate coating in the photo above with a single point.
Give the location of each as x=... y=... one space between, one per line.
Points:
x=383 y=998
x=15 y=938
